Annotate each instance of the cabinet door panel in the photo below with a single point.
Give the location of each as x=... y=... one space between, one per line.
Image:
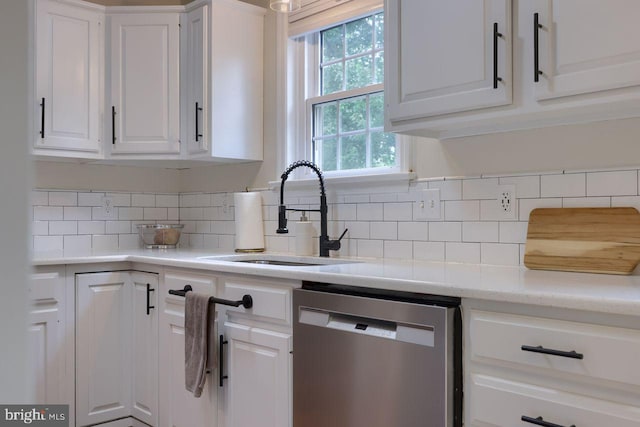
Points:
x=590 y=51
x=144 y=83
x=197 y=70
x=103 y=347
x=145 y=348
x=178 y=407
x=46 y=352
x=441 y=57
x=259 y=377
x=68 y=77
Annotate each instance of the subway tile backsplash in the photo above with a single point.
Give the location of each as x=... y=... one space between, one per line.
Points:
x=472 y=227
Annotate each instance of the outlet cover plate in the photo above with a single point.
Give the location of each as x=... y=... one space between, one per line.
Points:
x=507 y=202
x=427 y=205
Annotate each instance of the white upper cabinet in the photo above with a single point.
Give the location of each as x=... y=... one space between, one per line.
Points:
x=579 y=64
x=587 y=46
x=134 y=82
x=223 y=75
x=145 y=103
x=444 y=57
x=67 y=108
x=196 y=124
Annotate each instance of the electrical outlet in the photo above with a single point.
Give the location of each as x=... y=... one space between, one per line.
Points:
x=108 y=208
x=225 y=204
x=427 y=205
x=507 y=201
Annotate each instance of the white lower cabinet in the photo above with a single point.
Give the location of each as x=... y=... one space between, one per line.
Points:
x=48 y=336
x=144 y=328
x=116 y=347
x=500 y=402
x=256 y=355
x=257 y=383
x=178 y=407
x=551 y=369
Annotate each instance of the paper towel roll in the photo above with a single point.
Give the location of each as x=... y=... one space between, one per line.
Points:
x=249 y=225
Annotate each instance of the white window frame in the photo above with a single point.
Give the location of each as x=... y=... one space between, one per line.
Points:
x=303 y=58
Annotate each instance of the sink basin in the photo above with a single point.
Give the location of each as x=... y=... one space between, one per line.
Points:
x=280 y=260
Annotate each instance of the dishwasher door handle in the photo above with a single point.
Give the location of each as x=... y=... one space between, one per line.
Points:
x=416 y=334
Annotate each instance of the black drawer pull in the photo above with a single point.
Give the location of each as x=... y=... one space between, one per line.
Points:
x=149 y=306
x=42 y=119
x=221 y=374
x=496 y=36
x=198 y=134
x=539 y=349
x=536 y=48
x=113 y=125
x=540 y=422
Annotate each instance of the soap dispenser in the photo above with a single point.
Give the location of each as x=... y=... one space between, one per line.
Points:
x=304 y=236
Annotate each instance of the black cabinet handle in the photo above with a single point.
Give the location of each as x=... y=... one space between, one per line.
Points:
x=221 y=374
x=113 y=125
x=149 y=290
x=540 y=422
x=536 y=50
x=539 y=349
x=42 y=111
x=198 y=134
x=496 y=35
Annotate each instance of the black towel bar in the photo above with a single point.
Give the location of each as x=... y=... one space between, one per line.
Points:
x=246 y=301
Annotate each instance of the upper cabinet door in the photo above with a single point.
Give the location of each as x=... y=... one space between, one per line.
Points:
x=586 y=46
x=145 y=100
x=196 y=81
x=68 y=78
x=445 y=57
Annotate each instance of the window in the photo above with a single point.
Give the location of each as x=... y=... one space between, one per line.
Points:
x=344 y=99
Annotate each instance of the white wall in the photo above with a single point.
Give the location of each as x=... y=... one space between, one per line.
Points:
x=600 y=145
x=76 y=176
x=14 y=190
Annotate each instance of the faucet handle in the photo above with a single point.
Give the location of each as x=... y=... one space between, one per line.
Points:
x=334 y=245
x=282 y=220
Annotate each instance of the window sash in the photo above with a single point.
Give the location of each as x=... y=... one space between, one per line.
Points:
x=304 y=89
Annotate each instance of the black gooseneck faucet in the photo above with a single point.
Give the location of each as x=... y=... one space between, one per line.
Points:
x=326 y=244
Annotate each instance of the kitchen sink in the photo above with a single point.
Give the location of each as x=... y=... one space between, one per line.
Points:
x=279 y=260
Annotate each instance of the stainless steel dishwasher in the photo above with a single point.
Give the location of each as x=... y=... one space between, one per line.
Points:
x=375 y=358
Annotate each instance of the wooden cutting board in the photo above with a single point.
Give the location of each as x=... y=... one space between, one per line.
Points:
x=590 y=240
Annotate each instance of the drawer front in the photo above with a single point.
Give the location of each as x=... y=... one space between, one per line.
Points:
x=500 y=403
x=47 y=284
x=608 y=353
x=178 y=280
x=270 y=301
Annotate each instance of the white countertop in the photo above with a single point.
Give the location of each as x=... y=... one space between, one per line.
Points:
x=581 y=291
